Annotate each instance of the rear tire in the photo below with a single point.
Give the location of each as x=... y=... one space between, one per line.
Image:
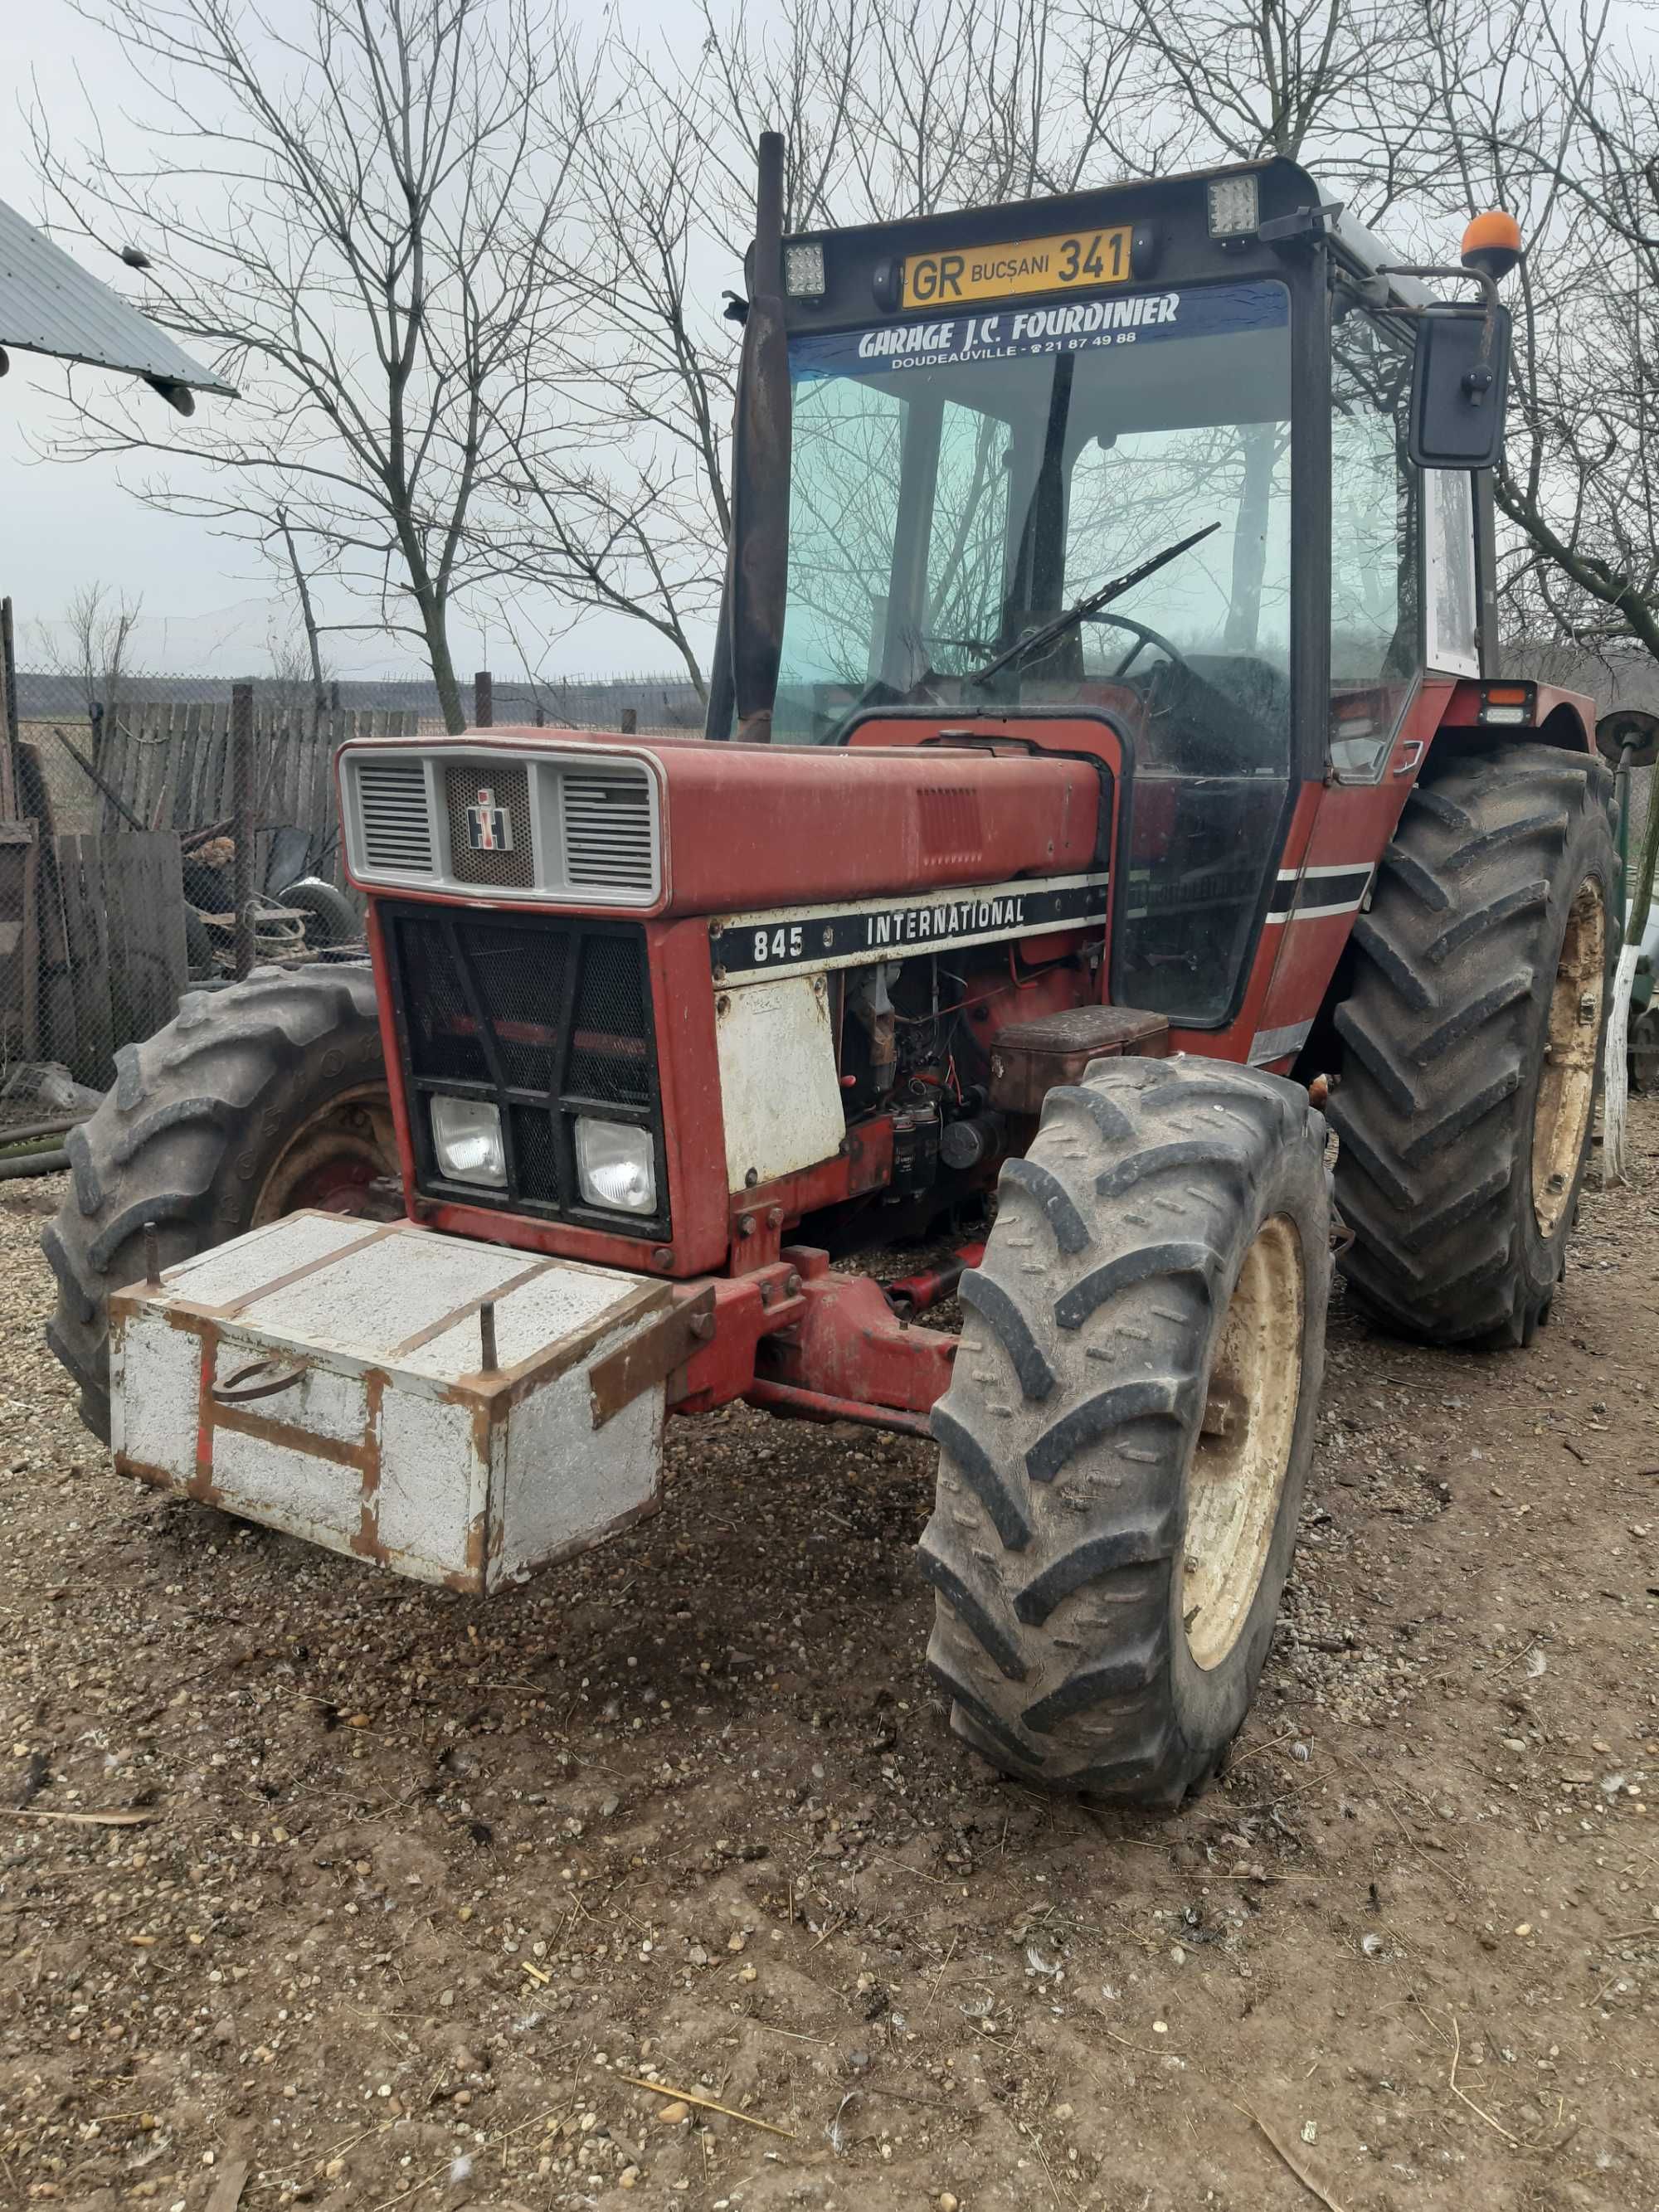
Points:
x=1473 y=1044
x=251 y=1101
x=1127 y=1428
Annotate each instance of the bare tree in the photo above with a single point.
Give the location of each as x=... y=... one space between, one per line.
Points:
x=1236 y=79
x=306 y=603
x=349 y=206
x=1566 y=135
x=890 y=108
x=1580 y=482
x=92 y=645
x=1422 y=113
x=295 y=683
x=622 y=505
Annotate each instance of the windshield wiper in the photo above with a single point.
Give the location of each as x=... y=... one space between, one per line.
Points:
x=1037 y=641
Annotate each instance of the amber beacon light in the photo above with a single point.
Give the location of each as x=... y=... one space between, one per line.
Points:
x=1491 y=244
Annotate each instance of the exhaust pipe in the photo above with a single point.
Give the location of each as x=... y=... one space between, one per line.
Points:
x=760 y=468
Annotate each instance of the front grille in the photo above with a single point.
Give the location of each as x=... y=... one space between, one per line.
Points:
x=611 y=1029
x=548 y=1018
x=396 y=827
x=495 y=793
x=575 y=831
x=609 y=843
x=443 y=1036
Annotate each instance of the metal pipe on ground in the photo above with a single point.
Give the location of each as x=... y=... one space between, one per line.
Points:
x=34 y=1164
x=29 y=1133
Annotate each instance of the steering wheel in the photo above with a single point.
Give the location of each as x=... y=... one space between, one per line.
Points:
x=1143 y=637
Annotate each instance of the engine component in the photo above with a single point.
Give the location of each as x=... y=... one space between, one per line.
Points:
x=915 y=1148
x=1028 y=1059
x=874 y=1009
x=966 y=1143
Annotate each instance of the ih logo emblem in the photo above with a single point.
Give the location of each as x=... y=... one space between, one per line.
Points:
x=489 y=829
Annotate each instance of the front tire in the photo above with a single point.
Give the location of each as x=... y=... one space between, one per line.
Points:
x=1473 y=1042
x=251 y=1102
x=1129 y=1425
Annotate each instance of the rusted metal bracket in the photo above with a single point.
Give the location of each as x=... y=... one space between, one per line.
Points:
x=651 y=1356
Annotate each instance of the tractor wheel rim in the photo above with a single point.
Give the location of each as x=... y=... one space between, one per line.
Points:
x=330 y=1159
x=1566 y=1088
x=1243 y=1454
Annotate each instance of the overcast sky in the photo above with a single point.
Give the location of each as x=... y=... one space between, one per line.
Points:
x=208 y=605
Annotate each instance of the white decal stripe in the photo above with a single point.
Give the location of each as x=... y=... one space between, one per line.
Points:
x=948 y=894
x=810 y=939
x=1279 y=1043
x=1318 y=912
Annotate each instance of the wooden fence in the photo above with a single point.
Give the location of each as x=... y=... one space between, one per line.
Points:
x=170 y=766
x=92 y=956
x=93 y=944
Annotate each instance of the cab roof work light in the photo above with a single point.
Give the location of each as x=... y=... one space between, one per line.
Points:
x=803 y=271
x=1235 y=206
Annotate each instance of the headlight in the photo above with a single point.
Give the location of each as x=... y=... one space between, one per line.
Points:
x=466 y=1135
x=615 y=1165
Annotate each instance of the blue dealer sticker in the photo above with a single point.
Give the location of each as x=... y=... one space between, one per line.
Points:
x=1073 y=325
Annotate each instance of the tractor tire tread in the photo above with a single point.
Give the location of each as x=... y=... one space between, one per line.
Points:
x=1442 y=1036
x=1053 y=1551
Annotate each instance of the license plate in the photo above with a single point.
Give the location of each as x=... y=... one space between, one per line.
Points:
x=1062 y=264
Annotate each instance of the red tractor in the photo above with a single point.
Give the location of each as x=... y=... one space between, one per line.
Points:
x=1106 y=749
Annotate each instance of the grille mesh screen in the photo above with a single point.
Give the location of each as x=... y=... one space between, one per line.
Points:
x=534 y=1151
x=608 y=1057
x=508 y=868
x=520 y=972
x=597 y=823
x=550 y=1018
x=443 y=1040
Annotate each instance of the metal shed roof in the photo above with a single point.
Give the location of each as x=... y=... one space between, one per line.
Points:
x=49 y=304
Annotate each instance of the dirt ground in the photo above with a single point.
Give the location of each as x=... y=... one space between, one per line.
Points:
x=423 y=1881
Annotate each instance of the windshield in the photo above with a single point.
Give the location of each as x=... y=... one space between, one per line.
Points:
x=957 y=484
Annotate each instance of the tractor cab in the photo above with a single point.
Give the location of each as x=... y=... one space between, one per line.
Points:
x=1141 y=455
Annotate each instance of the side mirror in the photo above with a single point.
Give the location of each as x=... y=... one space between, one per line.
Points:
x=1459 y=385
x=1628 y=728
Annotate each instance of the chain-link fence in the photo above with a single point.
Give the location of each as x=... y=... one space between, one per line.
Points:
x=655 y=702
x=142 y=853
x=162 y=833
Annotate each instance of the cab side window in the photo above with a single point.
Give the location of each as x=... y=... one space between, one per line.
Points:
x=1374 y=616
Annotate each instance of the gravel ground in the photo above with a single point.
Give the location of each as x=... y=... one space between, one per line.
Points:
x=413 y=1884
